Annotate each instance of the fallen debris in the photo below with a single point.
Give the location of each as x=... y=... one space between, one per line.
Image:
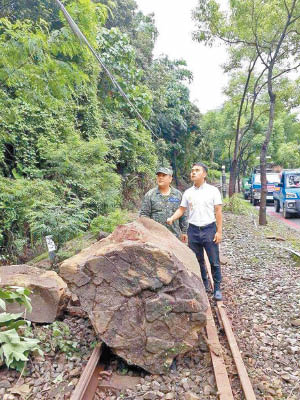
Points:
x=276 y=238
x=142 y=290
x=49 y=296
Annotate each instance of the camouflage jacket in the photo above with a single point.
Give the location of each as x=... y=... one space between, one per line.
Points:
x=159 y=207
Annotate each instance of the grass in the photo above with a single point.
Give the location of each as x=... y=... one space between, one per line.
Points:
x=237 y=205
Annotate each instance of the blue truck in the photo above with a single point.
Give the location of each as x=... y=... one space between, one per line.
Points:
x=273 y=179
x=287 y=193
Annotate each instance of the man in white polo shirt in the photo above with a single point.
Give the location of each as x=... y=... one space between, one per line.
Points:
x=204 y=204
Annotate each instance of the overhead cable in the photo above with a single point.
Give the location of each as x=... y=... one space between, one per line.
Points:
x=83 y=39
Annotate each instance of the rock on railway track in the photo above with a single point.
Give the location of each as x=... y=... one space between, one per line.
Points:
x=96 y=379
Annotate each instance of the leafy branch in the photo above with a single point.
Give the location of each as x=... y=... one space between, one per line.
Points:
x=14 y=348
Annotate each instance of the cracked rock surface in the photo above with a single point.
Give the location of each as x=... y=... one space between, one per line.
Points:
x=142 y=290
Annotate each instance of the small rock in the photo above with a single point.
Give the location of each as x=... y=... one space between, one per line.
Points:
x=39 y=382
x=208 y=390
x=8 y=397
x=170 y=396
x=155 y=385
x=76 y=311
x=296 y=322
x=164 y=388
x=261 y=387
x=286 y=377
x=75 y=372
x=5 y=384
x=60 y=368
x=293 y=349
x=191 y=396
x=149 y=396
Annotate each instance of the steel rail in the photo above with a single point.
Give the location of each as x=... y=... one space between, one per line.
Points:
x=88 y=382
x=239 y=363
x=222 y=379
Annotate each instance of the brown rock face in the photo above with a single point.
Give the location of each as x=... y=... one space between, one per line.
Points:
x=142 y=290
x=49 y=292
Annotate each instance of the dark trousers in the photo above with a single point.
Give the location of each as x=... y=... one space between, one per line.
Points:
x=203 y=238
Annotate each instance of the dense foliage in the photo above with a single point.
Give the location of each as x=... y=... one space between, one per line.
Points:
x=71 y=147
x=73 y=151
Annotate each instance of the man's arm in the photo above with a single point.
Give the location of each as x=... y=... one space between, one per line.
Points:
x=177 y=214
x=183 y=224
x=219 y=222
x=145 y=210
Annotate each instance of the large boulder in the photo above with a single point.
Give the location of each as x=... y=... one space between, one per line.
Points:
x=142 y=290
x=49 y=295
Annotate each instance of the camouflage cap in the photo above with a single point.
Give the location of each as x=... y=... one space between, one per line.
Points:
x=164 y=170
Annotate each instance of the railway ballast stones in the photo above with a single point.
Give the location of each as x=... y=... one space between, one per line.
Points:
x=50 y=294
x=142 y=290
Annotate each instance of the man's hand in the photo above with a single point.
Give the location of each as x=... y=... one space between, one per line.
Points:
x=218 y=237
x=184 y=238
x=170 y=221
x=177 y=214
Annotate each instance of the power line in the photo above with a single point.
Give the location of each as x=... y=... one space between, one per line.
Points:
x=83 y=39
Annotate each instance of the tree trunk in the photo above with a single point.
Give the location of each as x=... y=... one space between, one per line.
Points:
x=263 y=156
x=232 y=178
x=174 y=166
x=238 y=134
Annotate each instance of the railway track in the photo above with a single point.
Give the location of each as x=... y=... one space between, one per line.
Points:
x=222 y=380
x=94 y=372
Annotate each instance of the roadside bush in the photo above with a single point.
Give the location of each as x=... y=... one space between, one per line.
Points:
x=31 y=209
x=62 y=221
x=17 y=198
x=236 y=205
x=214 y=175
x=109 y=222
x=79 y=184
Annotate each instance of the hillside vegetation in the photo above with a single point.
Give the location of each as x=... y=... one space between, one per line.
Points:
x=73 y=149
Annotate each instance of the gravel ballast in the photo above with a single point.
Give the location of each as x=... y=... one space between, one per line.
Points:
x=261 y=289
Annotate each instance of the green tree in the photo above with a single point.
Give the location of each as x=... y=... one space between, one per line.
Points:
x=71 y=146
x=270 y=29
x=175 y=119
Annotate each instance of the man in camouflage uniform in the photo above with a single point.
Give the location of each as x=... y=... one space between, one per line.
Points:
x=162 y=201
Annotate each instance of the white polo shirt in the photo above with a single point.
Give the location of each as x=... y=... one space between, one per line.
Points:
x=201 y=203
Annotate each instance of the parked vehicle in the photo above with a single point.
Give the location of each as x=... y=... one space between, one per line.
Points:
x=287 y=193
x=273 y=178
x=246 y=185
